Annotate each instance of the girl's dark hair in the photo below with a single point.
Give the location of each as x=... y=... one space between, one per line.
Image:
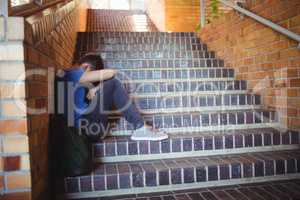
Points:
x=93 y=59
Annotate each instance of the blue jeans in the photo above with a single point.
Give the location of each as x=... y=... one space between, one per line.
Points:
x=112 y=93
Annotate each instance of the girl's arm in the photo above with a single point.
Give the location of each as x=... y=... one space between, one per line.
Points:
x=97 y=75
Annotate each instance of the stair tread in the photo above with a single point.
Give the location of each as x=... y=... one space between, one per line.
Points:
x=182 y=135
x=173 y=59
x=122 y=148
x=160 y=51
x=209 y=112
x=137 y=33
x=161 y=111
x=182 y=121
x=167 y=164
x=162 y=86
x=270 y=190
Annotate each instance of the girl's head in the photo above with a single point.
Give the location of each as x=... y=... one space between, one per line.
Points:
x=91 y=62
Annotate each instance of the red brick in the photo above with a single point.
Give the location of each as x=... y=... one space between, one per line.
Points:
x=15 y=144
x=13 y=126
x=12 y=163
x=292 y=93
x=19 y=181
x=295 y=21
x=295 y=82
x=17 y=196
x=1 y=182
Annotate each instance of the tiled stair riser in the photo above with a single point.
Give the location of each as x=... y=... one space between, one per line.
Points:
x=114 y=149
x=156 y=54
x=160 y=86
x=137 y=39
x=140 y=47
x=202 y=121
x=186 y=173
x=94 y=42
x=142 y=34
x=116 y=20
x=161 y=63
x=196 y=102
x=171 y=73
x=188 y=93
x=147 y=40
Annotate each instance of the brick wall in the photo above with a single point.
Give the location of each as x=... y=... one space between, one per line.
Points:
x=45 y=42
x=50 y=40
x=14 y=148
x=174 y=15
x=268 y=60
x=182 y=15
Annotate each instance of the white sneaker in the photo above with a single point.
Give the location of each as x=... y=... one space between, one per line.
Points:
x=145 y=133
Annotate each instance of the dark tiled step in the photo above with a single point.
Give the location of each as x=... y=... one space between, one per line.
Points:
x=184 y=86
x=196 y=102
x=141 y=34
x=84 y=48
x=171 y=73
x=144 y=40
x=156 y=54
x=275 y=190
x=202 y=121
x=161 y=63
x=113 y=149
x=162 y=175
x=118 y=20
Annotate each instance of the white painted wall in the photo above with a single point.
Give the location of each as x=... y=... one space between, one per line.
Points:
x=117 y=4
x=156 y=11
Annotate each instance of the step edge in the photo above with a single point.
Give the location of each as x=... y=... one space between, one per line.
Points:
x=203 y=109
x=177 y=80
x=191 y=154
x=178 y=187
x=187 y=93
x=188 y=130
x=174 y=68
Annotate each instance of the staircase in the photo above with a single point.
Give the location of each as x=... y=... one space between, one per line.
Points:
x=220 y=134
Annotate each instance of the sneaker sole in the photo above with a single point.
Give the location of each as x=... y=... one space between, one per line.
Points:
x=148 y=138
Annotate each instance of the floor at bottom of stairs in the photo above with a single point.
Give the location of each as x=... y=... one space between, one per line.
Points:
x=277 y=190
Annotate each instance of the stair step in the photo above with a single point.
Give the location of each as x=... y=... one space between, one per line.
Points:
x=170 y=73
x=141 y=34
x=175 y=80
x=121 y=149
x=85 y=48
x=190 y=93
x=197 y=103
x=181 y=109
x=118 y=20
x=145 y=40
x=185 y=86
x=282 y=189
x=161 y=63
x=202 y=121
x=156 y=54
x=183 y=173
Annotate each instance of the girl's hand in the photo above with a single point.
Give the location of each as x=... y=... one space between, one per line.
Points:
x=91 y=93
x=60 y=73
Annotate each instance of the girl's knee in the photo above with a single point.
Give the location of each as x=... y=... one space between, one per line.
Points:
x=111 y=81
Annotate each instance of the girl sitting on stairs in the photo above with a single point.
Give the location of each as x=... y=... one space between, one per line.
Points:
x=87 y=108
